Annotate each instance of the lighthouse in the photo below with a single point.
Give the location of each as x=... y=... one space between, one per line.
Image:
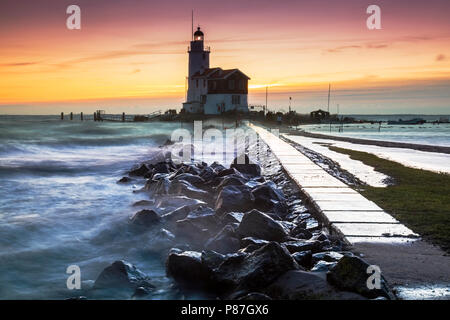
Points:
x=212 y=90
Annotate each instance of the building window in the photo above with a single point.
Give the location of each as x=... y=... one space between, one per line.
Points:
x=231 y=84
x=196 y=83
x=236 y=99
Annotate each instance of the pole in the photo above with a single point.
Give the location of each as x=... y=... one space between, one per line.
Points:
x=329 y=88
x=267 y=88
x=71 y=116
x=81 y=116
x=62 y=115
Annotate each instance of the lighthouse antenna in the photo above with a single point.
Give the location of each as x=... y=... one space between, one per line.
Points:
x=192 y=26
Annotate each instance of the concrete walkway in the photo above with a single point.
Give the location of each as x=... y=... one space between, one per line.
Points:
x=415 y=268
x=346 y=211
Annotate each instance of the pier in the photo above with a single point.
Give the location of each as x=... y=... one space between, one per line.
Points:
x=101 y=115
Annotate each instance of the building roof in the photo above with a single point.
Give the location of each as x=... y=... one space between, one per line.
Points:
x=217 y=73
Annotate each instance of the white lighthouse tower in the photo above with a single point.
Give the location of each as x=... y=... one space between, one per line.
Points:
x=198 y=63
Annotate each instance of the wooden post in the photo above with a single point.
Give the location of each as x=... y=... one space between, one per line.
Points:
x=81 y=116
x=95 y=116
x=71 y=116
x=123 y=116
x=62 y=115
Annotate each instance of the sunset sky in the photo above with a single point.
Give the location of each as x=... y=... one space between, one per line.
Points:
x=131 y=55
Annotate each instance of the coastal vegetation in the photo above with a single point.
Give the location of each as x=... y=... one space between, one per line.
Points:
x=417 y=198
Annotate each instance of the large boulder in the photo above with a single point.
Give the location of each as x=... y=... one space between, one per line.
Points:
x=245 y=166
x=145 y=218
x=259 y=225
x=254 y=271
x=269 y=198
x=122 y=274
x=183 y=187
x=140 y=171
x=187 y=269
x=199 y=225
x=302 y=285
x=226 y=241
x=234 y=198
x=192 y=179
x=304 y=245
x=351 y=274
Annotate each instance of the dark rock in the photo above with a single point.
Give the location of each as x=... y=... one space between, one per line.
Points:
x=125 y=180
x=259 y=225
x=232 y=217
x=217 y=166
x=143 y=203
x=208 y=174
x=302 y=285
x=320 y=236
x=255 y=296
x=253 y=241
x=256 y=270
x=139 y=172
x=212 y=259
x=234 y=198
x=122 y=274
x=199 y=225
x=145 y=218
x=350 y=274
x=224 y=242
x=158 y=185
x=175 y=202
x=312 y=224
x=303 y=258
x=177 y=214
x=231 y=180
x=161 y=167
x=269 y=198
x=140 y=292
x=323 y=266
x=192 y=179
x=182 y=187
x=329 y=256
x=244 y=165
x=226 y=172
x=187 y=269
x=303 y=245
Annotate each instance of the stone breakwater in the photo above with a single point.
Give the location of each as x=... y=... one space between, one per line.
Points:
x=237 y=232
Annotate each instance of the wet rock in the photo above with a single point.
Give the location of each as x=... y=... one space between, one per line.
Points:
x=312 y=224
x=158 y=185
x=224 y=242
x=176 y=202
x=303 y=258
x=125 y=180
x=253 y=241
x=320 y=236
x=187 y=269
x=177 y=214
x=145 y=218
x=244 y=165
x=140 y=292
x=301 y=233
x=323 y=266
x=259 y=225
x=269 y=198
x=212 y=259
x=255 y=296
x=217 y=166
x=231 y=180
x=232 y=217
x=199 y=225
x=302 y=285
x=234 y=198
x=256 y=270
x=161 y=167
x=139 y=172
x=350 y=274
x=192 y=179
x=303 y=245
x=329 y=256
x=182 y=187
x=122 y=274
x=143 y=203
x=208 y=174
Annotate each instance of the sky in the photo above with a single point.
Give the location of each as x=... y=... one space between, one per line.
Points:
x=131 y=55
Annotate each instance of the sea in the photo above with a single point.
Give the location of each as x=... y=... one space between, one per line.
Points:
x=428 y=133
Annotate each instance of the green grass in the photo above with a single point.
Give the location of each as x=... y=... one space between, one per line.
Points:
x=419 y=199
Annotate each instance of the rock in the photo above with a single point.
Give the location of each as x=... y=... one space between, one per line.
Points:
x=350 y=274
x=182 y=187
x=224 y=242
x=312 y=224
x=208 y=174
x=302 y=285
x=145 y=218
x=125 y=180
x=255 y=296
x=139 y=172
x=226 y=172
x=187 y=269
x=259 y=225
x=122 y=274
x=199 y=225
x=329 y=256
x=217 y=166
x=245 y=166
x=175 y=202
x=253 y=241
x=212 y=259
x=161 y=167
x=158 y=185
x=320 y=236
x=303 y=258
x=231 y=180
x=234 y=198
x=269 y=198
x=232 y=217
x=256 y=270
x=323 y=266
x=143 y=203
x=140 y=292
x=303 y=245
x=192 y=179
